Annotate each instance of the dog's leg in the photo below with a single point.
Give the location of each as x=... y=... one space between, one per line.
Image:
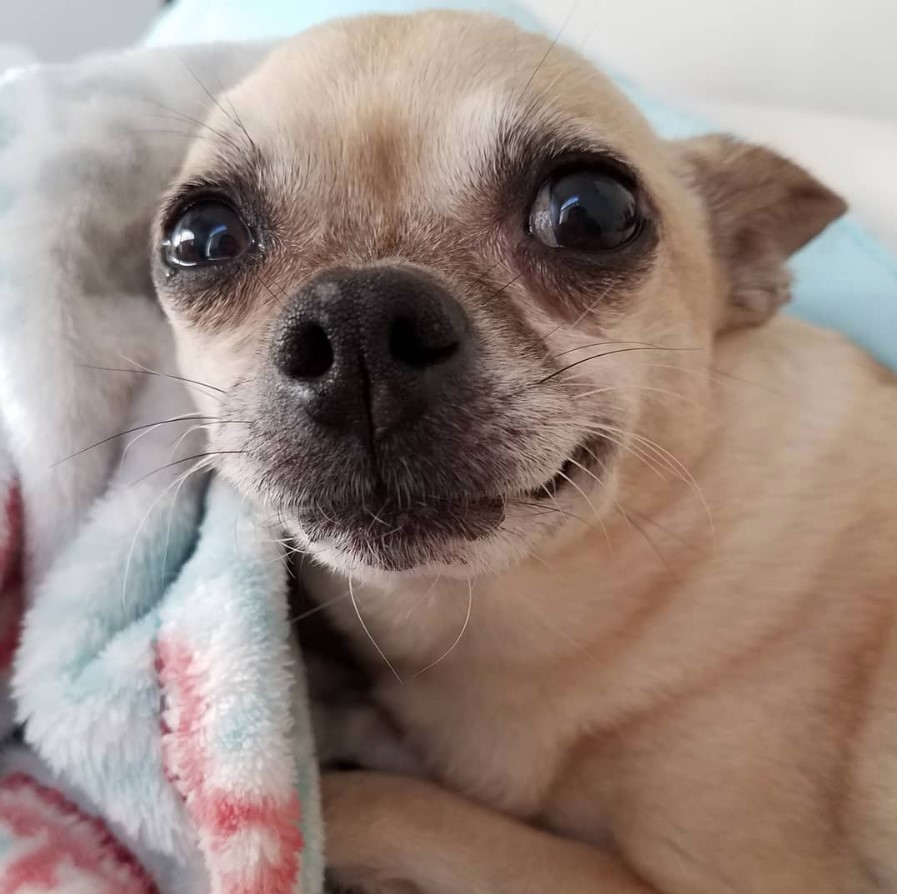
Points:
x=390 y=834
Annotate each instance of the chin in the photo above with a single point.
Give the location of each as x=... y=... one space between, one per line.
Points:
x=492 y=543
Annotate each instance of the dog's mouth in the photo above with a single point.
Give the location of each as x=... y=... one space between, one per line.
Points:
x=398 y=533
x=401 y=531
x=586 y=459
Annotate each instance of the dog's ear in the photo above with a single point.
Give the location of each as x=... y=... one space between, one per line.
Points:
x=761 y=209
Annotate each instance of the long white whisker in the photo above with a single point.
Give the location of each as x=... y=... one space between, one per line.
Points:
x=140 y=367
x=176 y=481
x=368 y=633
x=676 y=464
x=420 y=599
x=458 y=638
x=151 y=428
x=625 y=388
x=637 y=451
x=319 y=608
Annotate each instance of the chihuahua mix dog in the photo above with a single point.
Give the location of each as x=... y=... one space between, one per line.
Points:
x=618 y=560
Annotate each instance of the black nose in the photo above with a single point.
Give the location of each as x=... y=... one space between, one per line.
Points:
x=370 y=350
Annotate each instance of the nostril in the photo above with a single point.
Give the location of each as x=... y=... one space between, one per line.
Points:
x=415 y=348
x=309 y=354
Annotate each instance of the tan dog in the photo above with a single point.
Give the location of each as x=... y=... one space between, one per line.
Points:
x=478 y=334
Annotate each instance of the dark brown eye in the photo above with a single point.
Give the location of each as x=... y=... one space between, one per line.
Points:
x=588 y=209
x=209 y=232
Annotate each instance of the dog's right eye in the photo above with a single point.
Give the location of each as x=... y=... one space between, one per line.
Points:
x=207 y=232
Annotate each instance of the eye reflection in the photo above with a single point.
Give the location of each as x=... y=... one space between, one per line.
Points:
x=209 y=232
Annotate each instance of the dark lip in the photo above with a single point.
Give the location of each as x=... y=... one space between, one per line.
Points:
x=587 y=455
x=399 y=534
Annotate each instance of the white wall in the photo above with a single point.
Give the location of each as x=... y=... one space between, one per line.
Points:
x=829 y=55
x=58 y=30
x=833 y=55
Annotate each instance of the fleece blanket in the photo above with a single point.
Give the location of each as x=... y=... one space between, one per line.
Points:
x=159 y=739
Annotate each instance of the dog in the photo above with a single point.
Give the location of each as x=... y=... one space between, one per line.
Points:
x=612 y=540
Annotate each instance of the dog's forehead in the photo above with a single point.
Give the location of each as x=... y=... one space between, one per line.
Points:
x=429 y=94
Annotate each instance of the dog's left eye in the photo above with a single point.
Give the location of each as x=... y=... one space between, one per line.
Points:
x=590 y=209
x=208 y=232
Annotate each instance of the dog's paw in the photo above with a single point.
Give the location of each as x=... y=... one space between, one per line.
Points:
x=370 y=847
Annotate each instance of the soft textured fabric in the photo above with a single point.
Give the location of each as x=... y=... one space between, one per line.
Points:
x=844 y=280
x=165 y=740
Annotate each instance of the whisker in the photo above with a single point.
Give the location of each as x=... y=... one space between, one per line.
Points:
x=627 y=387
x=235 y=116
x=185 y=435
x=741 y=381
x=368 y=633
x=637 y=451
x=251 y=143
x=576 y=363
x=563 y=324
x=149 y=372
x=672 y=534
x=174 y=504
x=674 y=463
x=604 y=344
x=417 y=602
x=176 y=481
x=548 y=52
x=208 y=455
x=130 y=431
x=595 y=512
x=149 y=369
x=506 y=286
x=214 y=136
x=554 y=508
x=178 y=115
x=279 y=301
x=717 y=376
x=169 y=132
x=653 y=546
x=651 y=457
x=319 y=608
x=464 y=626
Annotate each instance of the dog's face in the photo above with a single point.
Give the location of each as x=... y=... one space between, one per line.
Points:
x=438 y=269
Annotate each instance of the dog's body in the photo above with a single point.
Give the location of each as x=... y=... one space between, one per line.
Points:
x=723 y=721
x=675 y=674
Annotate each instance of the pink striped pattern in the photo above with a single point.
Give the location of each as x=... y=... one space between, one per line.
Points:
x=250 y=837
x=53 y=846
x=11 y=606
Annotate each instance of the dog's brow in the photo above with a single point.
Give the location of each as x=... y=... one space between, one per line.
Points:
x=235 y=176
x=527 y=142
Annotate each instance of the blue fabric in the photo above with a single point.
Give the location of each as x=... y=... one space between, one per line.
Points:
x=844 y=279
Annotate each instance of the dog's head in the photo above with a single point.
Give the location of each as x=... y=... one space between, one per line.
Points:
x=441 y=271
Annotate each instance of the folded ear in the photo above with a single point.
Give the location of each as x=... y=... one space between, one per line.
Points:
x=761 y=209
